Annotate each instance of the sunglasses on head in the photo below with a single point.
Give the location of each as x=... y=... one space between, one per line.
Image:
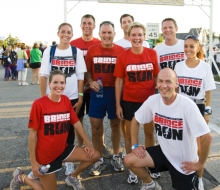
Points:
x=106 y=22
x=194 y=37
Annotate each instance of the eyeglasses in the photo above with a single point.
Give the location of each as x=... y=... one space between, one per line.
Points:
x=106 y=22
x=194 y=37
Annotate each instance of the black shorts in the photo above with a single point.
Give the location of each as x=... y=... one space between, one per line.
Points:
x=35 y=65
x=201 y=108
x=179 y=180
x=129 y=108
x=56 y=165
x=85 y=105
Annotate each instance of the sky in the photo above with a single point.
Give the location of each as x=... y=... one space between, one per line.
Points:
x=38 y=20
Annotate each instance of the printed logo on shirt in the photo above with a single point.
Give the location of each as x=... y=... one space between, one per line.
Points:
x=84 y=52
x=104 y=64
x=170 y=60
x=55 y=124
x=140 y=72
x=169 y=128
x=66 y=65
x=190 y=86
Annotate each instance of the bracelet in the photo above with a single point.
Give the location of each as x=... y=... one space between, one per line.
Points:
x=80 y=94
x=134 y=146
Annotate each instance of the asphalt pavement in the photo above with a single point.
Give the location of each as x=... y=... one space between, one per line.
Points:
x=15 y=103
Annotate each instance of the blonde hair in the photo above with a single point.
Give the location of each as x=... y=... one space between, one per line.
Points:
x=136 y=25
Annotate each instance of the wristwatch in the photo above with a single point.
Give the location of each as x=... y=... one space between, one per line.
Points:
x=208 y=110
x=134 y=146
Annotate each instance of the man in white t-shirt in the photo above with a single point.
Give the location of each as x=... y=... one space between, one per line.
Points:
x=171 y=51
x=178 y=124
x=126 y=20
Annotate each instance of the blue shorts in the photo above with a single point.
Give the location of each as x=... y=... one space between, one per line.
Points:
x=99 y=106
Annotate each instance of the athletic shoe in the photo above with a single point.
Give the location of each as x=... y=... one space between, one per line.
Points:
x=74 y=182
x=117 y=163
x=146 y=187
x=69 y=168
x=123 y=154
x=201 y=186
x=154 y=175
x=98 y=167
x=132 y=178
x=16 y=182
x=106 y=153
x=19 y=83
x=24 y=84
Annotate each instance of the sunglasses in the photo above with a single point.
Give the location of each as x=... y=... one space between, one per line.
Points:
x=106 y=22
x=194 y=37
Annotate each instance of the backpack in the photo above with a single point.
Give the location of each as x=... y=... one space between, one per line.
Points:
x=74 y=53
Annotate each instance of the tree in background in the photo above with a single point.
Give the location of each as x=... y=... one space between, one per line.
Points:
x=10 y=41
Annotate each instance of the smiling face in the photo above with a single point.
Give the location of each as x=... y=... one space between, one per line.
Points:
x=191 y=48
x=166 y=84
x=87 y=26
x=125 y=23
x=136 y=37
x=57 y=85
x=169 y=30
x=107 y=34
x=65 y=34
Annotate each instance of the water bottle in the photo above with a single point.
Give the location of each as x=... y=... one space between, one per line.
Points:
x=99 y=94
x=42 y=170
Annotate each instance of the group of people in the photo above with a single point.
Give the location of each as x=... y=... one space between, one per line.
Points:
x=131 y=74
x=16 y=60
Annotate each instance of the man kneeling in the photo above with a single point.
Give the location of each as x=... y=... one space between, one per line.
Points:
x=178 y=123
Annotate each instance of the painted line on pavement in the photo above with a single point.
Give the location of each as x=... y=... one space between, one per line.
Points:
x=214 y=127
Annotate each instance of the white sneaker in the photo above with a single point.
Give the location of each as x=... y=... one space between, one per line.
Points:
x=123 y=154
x=201 y=185
x=132 y=178
x=19 y=83
x=154 y=175
x=69 y=168
x=24 y=83
x=147 y=187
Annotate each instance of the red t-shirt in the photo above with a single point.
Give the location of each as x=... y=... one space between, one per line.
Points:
x=84 y=46
x=52 y=121
x=28 y=53
x=101 y=62
x=139 y=71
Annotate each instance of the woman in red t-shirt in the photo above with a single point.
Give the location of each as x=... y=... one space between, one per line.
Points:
x=49 y=124
x=135 y=71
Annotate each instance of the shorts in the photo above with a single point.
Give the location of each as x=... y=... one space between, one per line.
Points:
x=85 y=105
x=71 y=134
x=56 y=165
x=35 y=65
x=99 y=106
x=129 y=108
x=201 y=108
x=179 y=180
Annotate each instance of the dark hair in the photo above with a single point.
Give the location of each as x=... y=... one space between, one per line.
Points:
x=169 y=19
x=53 y=43
x=106 y=23
x=7 y=52
x=35 y=45
x=125 y=15
x=56 y=72
x=88 y=16
x=23 y=46
x=63 y=24
x=200 y=54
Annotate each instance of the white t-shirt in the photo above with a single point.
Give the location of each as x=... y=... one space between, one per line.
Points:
x=1 y=52
x=177 y=127
x=194 y=82
x=127 y=44
x=71 y=89
x=168 y=56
